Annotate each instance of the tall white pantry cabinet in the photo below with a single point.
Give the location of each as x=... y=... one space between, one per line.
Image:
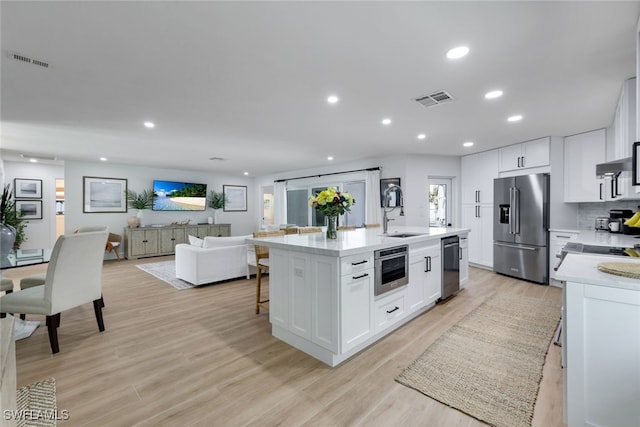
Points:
x=478 y=172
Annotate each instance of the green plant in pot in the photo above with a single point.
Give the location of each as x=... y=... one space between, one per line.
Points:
x=139 y=201
x=215 y=202
x=12 y=226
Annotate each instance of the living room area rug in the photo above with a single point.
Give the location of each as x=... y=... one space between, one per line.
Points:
x=165 y=271
x=489 y=365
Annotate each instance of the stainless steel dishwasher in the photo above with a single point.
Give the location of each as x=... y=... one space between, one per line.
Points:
x=450 y=266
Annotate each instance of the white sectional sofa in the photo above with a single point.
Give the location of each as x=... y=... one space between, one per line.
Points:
x=219 y=258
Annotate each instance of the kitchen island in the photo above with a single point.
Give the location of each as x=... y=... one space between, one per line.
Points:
x=601 y=342
x=321 y=292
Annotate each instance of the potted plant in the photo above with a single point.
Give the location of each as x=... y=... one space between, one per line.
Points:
x=139 y=201
x=216 y=202
x=11 y=225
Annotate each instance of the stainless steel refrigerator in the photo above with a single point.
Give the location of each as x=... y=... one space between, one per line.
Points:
x=520 y=227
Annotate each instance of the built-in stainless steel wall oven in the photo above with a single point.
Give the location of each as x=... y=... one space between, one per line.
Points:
x=391 y=268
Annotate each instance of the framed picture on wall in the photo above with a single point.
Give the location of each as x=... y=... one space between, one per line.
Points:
x=104 y=194
x=235 y=198
x=394 y=197
x=29 y=209
x=636 y=163
x=27 y=188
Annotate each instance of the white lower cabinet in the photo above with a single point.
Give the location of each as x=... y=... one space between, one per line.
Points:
x=557 y=240
x=356 y=292
x=464 y=260
x=479 y=219
x=425 y=275
x=602 y=345
x=389 y=309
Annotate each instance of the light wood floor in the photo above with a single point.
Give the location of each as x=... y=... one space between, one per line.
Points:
x=201 y=357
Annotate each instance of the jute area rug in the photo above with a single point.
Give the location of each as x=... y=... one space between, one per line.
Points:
x=36 y=404
x=489 y=365
x=165 y=271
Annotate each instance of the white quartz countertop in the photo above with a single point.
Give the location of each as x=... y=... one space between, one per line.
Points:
x=351 y=242
x=583 y=268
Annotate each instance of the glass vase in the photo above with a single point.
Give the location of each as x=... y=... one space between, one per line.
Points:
x=332 y=233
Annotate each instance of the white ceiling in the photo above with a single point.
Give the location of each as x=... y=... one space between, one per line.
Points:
x=248 y=81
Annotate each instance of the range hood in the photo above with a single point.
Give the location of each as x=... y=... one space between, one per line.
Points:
x=614 y=168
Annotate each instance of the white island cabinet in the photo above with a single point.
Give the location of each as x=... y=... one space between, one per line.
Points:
x=321 y=291
x=601 y=344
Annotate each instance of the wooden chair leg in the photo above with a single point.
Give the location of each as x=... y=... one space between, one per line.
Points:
x=52 y=326
x=258 y=281
x=97 y=307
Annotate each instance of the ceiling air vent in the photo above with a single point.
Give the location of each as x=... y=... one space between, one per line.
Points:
x=435 y=98
x=25 y=59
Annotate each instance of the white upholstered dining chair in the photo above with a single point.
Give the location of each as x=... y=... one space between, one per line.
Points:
x=73 y=278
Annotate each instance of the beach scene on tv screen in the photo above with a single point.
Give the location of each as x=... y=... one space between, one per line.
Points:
x=179 y=196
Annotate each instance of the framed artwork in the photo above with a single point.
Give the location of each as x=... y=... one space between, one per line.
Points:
x=104 y=194
x=394 y=200
x=29 y=209
x=27 y=188
x=636 y=163
x=235 y=198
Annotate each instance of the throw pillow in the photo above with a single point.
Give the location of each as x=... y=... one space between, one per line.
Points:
x=195 y=241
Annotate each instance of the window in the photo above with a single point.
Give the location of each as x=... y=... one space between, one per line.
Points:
x=301 y=214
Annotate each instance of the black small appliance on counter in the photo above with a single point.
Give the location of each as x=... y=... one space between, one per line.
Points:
x=618 y=216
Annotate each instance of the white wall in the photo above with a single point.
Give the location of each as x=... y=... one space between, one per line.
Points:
x=141 y=178
x=40 y=233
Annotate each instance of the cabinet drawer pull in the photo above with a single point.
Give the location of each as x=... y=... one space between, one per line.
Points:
x=391 y=311
x=427 y=264
x=558 y=236
x=360 y=262
x=360 y=276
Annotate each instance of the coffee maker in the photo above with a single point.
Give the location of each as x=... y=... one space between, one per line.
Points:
x=617 y=218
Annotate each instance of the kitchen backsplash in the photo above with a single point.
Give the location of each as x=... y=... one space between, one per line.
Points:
x=588 y=212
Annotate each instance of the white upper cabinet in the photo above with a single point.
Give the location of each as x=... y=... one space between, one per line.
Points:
x=624 y=123
x=581 y=154
x=530 y=154
x=478 y=172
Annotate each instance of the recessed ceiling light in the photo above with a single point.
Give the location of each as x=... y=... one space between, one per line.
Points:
x=332 y=99
x=246 y=173
x=330 y=158
x=493 y=94
x=103 y=159
x=457 y=52
x=515 y=118
x=149 y=125
x=33 y=160
x=422 y=136
x=386 y=121
x=468 y=144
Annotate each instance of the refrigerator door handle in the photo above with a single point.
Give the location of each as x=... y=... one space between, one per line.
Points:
x=511 y=210
x=515 y=217
x=526 y=248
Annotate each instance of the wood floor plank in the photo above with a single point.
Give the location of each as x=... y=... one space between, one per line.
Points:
x=201 y=357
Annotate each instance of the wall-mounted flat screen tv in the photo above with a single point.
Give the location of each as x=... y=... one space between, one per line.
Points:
x=179 y=196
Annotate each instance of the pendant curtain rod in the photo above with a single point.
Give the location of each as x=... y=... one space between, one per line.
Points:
x=326 y=174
